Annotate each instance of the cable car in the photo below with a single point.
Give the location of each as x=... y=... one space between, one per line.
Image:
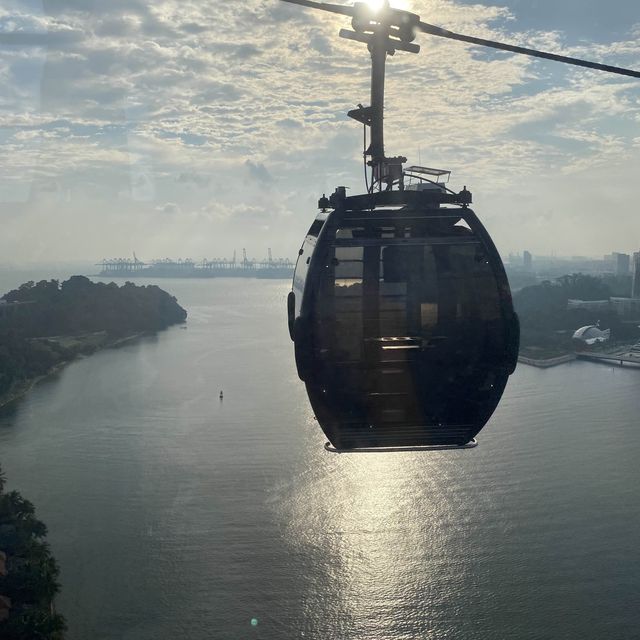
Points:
x=402 y=320
x=400 y=312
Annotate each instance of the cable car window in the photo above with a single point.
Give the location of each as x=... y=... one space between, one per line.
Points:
x=315 y=228
x=401 y=283
x=348 y=287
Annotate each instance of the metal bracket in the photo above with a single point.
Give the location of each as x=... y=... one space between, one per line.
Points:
x=361 y=114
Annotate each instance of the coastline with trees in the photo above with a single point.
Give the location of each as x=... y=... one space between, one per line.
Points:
x=45 y=325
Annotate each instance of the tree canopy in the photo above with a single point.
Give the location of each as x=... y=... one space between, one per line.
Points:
x=79 y=305
x=31 y=579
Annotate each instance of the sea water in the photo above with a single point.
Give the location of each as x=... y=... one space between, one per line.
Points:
x=174 y=514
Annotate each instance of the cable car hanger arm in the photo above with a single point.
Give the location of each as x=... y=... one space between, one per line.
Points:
x=443 y=33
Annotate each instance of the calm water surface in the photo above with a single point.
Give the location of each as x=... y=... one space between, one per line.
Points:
x=173 y=514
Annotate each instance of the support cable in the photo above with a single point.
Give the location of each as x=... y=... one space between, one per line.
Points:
x=364 y=158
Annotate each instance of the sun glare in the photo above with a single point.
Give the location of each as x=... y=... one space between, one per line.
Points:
x=376 y=5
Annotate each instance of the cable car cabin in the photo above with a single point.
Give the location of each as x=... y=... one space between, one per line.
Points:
x=402 y=320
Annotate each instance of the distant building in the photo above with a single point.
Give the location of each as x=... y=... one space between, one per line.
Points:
x=622 y=262
x=635 y=288
x=627 y=308
x=527 y=261
x=592 y=334
x=609 y=262
x=589 y=305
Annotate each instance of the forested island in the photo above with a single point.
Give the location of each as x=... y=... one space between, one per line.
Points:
x=548 y=322
x=28 y=573
x=47 y=324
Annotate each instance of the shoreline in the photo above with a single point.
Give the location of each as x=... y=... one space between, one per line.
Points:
x=21 y=388
x=545 y=363
x=613 y=355
x=612 y=360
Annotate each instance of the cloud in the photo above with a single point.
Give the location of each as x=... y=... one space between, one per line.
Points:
x=257 y=171
x=134 y=107
x=169 y=208
x=191 y=178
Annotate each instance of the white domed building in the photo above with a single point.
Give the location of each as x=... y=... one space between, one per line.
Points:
x=592 y=334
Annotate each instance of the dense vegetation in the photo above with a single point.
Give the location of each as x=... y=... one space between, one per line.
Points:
x=75 y=307
x=547 y=323
x=79 y=306
x=28 y=573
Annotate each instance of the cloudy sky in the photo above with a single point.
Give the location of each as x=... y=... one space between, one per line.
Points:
x=189 y=128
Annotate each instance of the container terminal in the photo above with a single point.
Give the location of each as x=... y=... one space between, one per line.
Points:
x=270 y=267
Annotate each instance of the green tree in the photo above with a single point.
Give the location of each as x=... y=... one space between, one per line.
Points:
x=32 y=577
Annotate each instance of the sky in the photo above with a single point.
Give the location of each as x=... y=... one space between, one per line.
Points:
x=190 y=129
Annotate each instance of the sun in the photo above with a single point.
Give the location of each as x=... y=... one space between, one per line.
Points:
x=376 y=5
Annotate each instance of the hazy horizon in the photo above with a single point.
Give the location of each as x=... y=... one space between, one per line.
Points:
x=190 y=129
x=86 y=263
